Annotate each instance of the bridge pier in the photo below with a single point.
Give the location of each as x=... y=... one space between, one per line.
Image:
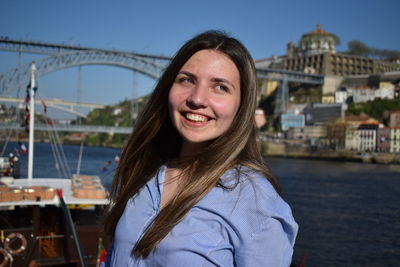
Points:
x=330 y=84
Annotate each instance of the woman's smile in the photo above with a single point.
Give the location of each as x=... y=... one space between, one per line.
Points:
x=195 y=117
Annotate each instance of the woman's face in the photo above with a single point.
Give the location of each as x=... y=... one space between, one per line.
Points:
x=205 y=96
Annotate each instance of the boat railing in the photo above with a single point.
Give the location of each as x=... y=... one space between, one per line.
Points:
x=46 y=249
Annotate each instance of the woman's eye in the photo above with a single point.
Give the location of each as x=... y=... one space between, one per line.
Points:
x=185 y=80
x=221 y=87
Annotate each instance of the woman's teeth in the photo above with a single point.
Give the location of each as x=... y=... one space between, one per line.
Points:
x=196 y=117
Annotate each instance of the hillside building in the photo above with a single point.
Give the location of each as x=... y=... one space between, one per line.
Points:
x=394 y=119
x=292 y=119
x=395 y=140
x=383 y=139
x=367 y=137
x=316 y=54
x=336 y=134
x=352 y=135
x=313 y=133
x=317 y=113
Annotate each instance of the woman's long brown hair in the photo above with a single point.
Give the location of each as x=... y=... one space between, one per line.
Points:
x=155 y=141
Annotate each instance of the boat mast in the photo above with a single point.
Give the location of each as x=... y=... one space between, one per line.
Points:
x=31 y=120
x=78 y=169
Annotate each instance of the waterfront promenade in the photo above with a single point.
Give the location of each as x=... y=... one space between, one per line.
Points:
x=283 y=148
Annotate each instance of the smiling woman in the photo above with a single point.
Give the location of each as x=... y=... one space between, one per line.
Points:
x=191 y=188
x=205 y=97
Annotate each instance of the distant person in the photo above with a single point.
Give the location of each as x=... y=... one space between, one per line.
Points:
x=105 y=167
x=192 y=188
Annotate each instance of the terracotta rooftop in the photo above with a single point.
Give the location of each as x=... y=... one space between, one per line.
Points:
x=357 y=118
x=319 y=30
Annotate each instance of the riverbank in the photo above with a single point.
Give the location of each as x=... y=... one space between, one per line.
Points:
x=66 y=141
x=279 y=148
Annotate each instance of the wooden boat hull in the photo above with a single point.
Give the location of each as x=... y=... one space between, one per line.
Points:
x=34 y=229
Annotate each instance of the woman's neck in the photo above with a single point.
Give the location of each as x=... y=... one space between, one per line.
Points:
x=189 y=149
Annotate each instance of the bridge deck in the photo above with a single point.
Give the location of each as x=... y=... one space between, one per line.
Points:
x=72 y=128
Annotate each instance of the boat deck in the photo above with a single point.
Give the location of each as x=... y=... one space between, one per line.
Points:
x=56 y=183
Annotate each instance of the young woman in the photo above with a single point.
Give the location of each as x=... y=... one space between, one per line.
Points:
x=192 y=188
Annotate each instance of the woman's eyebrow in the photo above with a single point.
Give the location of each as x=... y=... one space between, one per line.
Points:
x=191 y=75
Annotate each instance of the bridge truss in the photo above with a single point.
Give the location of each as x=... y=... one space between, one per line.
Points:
x=284 y=76
x=7 y=44
x=19 y=76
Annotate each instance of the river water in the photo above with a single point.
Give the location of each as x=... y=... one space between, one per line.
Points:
x=349 y=213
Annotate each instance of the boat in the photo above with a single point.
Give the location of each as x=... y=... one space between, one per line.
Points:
x=50 y=221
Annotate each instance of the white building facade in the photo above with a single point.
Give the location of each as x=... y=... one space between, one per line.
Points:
x=367 y=137
x=395 y=140
x=340 y=96
x=352 y=140
x=385 y=93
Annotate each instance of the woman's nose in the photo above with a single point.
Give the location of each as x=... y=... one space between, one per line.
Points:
x=198 y=97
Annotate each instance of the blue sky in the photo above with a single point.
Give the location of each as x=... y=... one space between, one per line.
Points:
x=161 y=27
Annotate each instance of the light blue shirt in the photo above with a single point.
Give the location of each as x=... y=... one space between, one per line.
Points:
x=249 y=225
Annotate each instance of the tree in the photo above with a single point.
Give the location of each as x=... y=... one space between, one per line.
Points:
x=358 y=48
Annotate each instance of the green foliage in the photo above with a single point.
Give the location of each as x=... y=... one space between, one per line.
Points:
x=109 y=117
x=306 y=95
x=267 y=103
x=119 y=139
x=358 y=48
x=93 y=140
x=378 y=109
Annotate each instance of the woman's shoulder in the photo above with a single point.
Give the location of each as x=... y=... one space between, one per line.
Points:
x=244 y=189
x=248 y=202
x=248 y=183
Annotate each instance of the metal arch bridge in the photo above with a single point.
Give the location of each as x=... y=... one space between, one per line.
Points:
x=284 y=76
x=289 y=76
x=60 y=56
x=20 y=75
